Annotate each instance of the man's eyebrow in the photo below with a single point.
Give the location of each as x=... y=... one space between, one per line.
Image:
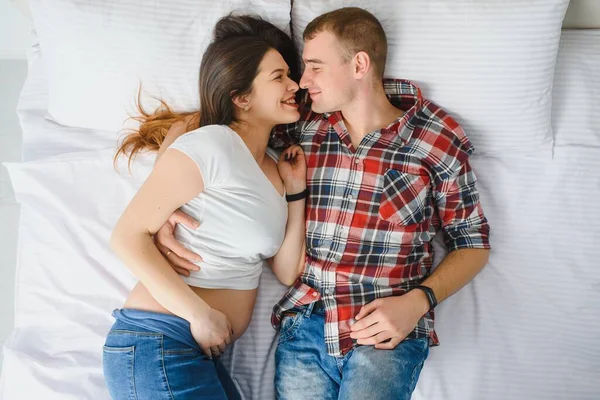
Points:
x=313 y=61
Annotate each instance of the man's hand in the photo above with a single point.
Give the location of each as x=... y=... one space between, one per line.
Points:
x=177 y=254
x=385 y=322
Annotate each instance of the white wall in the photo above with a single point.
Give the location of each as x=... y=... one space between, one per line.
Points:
x=15 y=31
x=14 y=41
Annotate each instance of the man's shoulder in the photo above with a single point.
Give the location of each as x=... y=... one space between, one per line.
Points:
x=436 y=127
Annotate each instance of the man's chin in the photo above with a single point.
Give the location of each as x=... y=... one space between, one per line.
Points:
x=318 y=108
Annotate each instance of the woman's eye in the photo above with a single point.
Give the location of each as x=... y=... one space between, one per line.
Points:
x=278 y=78
x=316 y=69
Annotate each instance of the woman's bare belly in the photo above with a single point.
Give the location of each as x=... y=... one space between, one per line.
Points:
x=237 y=305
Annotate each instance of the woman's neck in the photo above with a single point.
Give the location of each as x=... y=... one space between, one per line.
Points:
x=255 y=136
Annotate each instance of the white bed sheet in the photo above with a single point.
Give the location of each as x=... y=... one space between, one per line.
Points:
x=525 y=328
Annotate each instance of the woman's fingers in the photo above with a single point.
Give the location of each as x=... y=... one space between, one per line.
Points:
x=215 y=352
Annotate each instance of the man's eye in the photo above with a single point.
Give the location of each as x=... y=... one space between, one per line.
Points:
x=315 y=69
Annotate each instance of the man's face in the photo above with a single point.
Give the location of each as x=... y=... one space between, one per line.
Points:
x=327 y=77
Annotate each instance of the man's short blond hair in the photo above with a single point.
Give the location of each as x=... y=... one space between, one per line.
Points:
x=357 y=30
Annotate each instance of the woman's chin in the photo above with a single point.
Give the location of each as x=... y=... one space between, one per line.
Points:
x=289 y=119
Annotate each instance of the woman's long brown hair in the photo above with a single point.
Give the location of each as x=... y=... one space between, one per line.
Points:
x=231 y=33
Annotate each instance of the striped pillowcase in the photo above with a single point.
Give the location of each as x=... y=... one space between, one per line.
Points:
x=576 y=93
x=97 y=54
x=488 y=62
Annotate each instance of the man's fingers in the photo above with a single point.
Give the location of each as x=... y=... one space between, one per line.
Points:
x=176 y=261
x=365 y=322
x=180 y=217
x=169 y=245
x=366 y=310
x=181 y=271
x=367 y=332
x=377 y=339
x=389 y=345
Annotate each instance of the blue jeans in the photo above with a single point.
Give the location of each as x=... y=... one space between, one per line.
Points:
x=154 y=356
x=304 y=370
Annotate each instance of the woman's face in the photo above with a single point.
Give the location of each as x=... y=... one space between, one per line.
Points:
x=273 y=96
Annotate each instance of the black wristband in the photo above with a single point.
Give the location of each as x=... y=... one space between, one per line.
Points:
x=430 y=295
x=298 y=196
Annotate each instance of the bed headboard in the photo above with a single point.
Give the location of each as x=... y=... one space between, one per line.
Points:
x=582 y=14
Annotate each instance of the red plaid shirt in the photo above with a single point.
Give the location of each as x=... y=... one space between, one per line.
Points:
x=373 y=210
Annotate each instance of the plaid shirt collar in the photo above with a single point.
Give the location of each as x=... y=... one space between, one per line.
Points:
x=404 y=95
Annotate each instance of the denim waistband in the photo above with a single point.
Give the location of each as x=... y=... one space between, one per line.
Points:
x=316 y=307
x=169 y=325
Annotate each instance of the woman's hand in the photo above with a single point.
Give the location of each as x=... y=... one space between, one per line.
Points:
x=292 y=169
x=212 y=331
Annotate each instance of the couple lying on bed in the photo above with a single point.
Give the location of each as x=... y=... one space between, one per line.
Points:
x=345 y=216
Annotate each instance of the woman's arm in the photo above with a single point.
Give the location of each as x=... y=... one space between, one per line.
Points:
x=176 y=130
x=288 y=263
x=174 y=181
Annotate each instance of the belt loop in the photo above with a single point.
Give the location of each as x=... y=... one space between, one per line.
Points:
x=309 y=309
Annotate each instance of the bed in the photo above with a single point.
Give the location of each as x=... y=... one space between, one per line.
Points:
x=525 y=328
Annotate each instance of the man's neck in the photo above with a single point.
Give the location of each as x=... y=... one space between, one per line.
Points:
x=371 y=110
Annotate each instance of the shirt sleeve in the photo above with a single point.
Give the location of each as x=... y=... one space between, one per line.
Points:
x=457 y=199
x=211 y=148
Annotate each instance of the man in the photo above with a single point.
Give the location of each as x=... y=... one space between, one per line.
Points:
x=384 y=174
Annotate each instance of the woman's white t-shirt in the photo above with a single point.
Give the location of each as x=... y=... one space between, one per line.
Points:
x=242 y=216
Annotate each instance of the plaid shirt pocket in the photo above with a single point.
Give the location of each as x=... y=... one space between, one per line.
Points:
x=403 y=198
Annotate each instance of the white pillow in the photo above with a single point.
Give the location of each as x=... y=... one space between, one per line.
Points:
x=576 y=93
x=490 y=63
x=97 y=53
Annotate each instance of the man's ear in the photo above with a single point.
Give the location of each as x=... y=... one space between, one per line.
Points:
x=362 y=64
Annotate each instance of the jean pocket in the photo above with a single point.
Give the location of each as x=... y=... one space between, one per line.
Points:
x=290 y=322
x=403 y=198
x=118 y=365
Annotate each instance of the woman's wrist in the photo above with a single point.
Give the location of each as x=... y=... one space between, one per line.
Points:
x=198 y=310
x=295 y=187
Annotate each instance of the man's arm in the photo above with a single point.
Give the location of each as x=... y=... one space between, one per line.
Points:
x=466 y=233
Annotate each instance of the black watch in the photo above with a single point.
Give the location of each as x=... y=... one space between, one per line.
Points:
x=297 y=196
x=430 y=295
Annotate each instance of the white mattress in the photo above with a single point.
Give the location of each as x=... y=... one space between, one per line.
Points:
x=525 y=328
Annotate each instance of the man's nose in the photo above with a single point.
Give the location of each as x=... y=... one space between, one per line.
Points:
x=305 y=80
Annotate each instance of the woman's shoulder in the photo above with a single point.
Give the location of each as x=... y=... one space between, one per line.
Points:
x=213 y=135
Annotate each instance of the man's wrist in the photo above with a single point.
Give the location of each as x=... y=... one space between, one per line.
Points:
x=423 y=301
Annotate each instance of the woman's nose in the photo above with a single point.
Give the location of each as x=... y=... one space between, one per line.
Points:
x=293 y=86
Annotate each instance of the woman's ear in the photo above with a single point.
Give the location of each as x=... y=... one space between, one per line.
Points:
x=242 y=102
